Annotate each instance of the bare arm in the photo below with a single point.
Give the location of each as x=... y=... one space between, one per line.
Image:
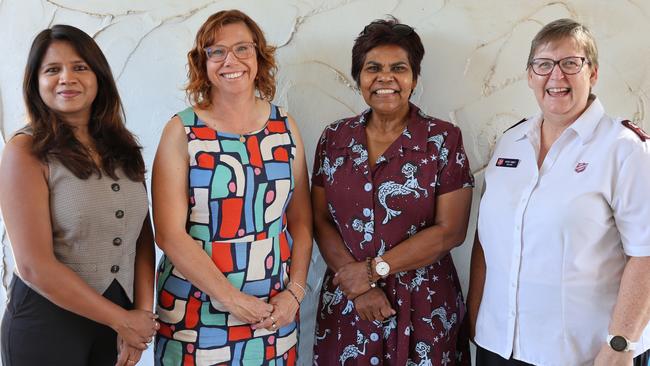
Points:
x=299 y=222
x=24 y=198
x=632 y=311
x=299 y=214
x=170 y=205
x=145 y=259
x=476 y=284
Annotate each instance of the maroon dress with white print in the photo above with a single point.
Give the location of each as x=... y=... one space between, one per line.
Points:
x=376 y=209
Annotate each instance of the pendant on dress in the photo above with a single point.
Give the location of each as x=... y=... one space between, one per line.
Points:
x=242 y=139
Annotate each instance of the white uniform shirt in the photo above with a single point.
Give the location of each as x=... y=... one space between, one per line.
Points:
x=556 y=239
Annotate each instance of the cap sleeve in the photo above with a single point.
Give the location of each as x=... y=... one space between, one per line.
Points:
x=319 y=155
x=455 y=172
x=630 y=202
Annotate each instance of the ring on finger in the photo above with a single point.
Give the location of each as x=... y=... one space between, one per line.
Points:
x=274 y=326
x=272 y=319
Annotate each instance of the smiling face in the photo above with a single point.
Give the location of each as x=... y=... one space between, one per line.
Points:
x=386 y=79
x=562 y=97
x=233 y=75
x=66 y=83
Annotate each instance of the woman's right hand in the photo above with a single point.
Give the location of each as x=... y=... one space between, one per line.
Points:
x=373 y=305
x=249 y=309
x=137 y=328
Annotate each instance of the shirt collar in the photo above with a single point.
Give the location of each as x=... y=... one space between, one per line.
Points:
x=584 y=126
x=414 y=136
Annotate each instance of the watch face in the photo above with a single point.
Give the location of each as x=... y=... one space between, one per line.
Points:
x=618 y=343
x=382 y=268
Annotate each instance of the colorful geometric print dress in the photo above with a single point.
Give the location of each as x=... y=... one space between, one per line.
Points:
x=375 y=209
x=239 y=188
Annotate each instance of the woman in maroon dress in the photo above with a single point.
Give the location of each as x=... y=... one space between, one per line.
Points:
x=392 y=191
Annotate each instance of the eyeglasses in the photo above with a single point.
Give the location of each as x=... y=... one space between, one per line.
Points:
x=399 y=29
x=569 y=65
x=240 y=50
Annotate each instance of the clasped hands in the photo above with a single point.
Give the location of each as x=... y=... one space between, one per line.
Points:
x=370 y=303
x=277 y=313
x=135 y=331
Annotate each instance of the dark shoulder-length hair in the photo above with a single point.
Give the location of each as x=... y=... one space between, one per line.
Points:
x=383 y=32
x=199 y=86
x=54 y=138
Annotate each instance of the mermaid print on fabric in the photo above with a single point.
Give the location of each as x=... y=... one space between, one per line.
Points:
x=390 y=189
x=238 y=194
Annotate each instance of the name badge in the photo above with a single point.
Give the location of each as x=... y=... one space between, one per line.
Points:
x=507 y=163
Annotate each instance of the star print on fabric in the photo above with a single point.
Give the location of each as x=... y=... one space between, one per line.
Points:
x=424 y=161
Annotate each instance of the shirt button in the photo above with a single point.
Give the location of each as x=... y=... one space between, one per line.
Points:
x=513 y=285
x=517 y=227
x=119 y=214
x=115 y=187
x=117 y=242
x=115 y=268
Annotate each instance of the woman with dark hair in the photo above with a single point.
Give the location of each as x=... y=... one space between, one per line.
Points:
x=391 y=193
x=231 y=208
x=75 y=207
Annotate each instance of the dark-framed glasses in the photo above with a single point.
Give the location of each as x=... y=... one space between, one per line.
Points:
x=399 y=29
x=241 y=50
x=569 y=65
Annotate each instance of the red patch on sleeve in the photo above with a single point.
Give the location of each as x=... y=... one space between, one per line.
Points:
x=636 y=129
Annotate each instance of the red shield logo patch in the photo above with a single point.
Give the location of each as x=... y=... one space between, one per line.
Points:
x=580 y=167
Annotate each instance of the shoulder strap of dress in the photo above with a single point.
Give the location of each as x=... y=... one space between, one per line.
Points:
x=515 y=125
x=279 y=113
x=187 y=116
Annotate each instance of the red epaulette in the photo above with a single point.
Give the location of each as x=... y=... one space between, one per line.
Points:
x=636 y=129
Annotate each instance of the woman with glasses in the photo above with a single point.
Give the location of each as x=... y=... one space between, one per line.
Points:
x=75 y=206
x=560 y=271
x=231 y=208
x=391 y=193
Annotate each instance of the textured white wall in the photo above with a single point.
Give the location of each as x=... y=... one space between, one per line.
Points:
x=472 y=74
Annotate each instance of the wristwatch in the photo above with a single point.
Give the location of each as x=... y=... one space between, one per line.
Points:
x=381 y=267
x=620 y=343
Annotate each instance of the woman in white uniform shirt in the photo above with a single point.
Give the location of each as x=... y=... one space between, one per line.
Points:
x=561 y=266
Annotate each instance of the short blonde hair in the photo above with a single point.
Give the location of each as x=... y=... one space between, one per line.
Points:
x=566 y=28
x=199 y=86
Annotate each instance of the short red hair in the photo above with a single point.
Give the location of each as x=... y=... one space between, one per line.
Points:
x=199 y=86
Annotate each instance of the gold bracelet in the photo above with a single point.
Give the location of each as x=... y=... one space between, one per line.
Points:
x=372 y=283
x=304 y=291
x=294 y=295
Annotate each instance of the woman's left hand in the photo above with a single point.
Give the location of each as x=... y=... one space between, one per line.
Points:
x=126 y=355
x=284 y=312
x=353 y=280
x=608 y=357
